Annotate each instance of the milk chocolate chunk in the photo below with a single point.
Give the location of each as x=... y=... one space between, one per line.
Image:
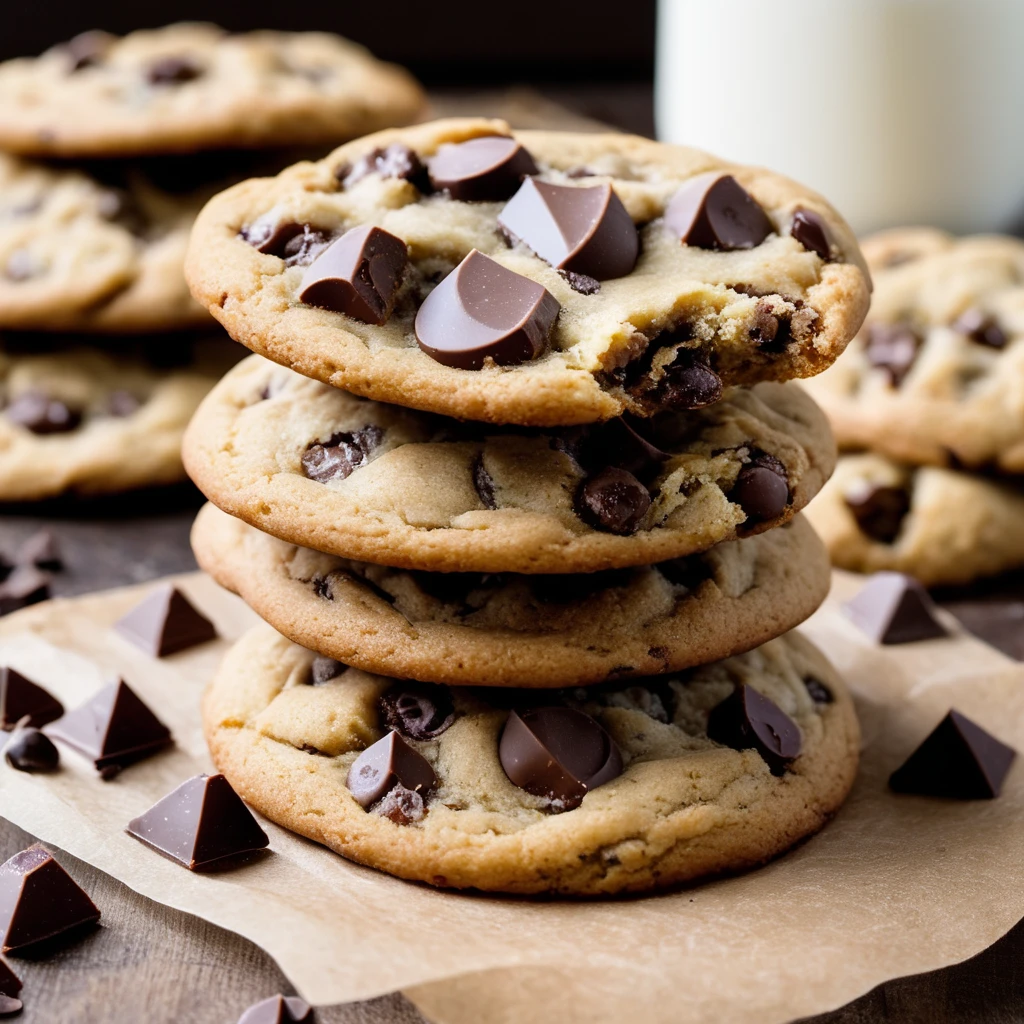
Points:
x=297 y=244
x=582 y=229
x=809 y=230
x=324 y=669
x=394 y=161
x=748 y=720
x=893 y=348
x=613 y=500
x=879 y=511
x=559 y=753
x=390 y=762
x=39 y=900
x=761 y=488
x=42 y=414
x=279 y=1010
x=24 y=586
x=21 y=698
x=10 y=983
x=114 y=729
x=959 y=760
x=173 y=71
x=201 y=824
x=482 y=310
x=894 y=609
x=358 y=275
x=484 y=169
x=713 y=211
x=42 y=550
x=10 y=1007
x=402 y=806
x=982 y=328
x=419 y=711
x=341 y=454
x=29 y=750
x=165 y=622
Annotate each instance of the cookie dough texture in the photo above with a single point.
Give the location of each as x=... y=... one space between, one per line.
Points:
x=684 y=807
x=513 y=630
x=188 y=87
x=959 y=527
x=414 y=503
x=961 y=403
x=718 y=301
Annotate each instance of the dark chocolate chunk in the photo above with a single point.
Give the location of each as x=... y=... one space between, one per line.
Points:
x=713 y=211
x=121 y=403
x=482 y=309
x=982 y=328
x=21 y=698
x=300 y=250
x=324 y=669
x=583 y=229
x=279 y=1010
x=818 y=691
x=688 y=383
x=893 y=348
x=483 y=483
x=201 y=824
x=484 y=169
x=39 y=900
x=810 y=231
x=41 y=550
x=10 y=1007
x=419 y=711
x=581 y=282
x=559 y=753
x=297 y=244
x=41 y=414
x=390 y=762
x=894 y=609
x=879 y=511
x=24 y=586
x=358 y=275
x=29 y=750
x=165 y=622
x=613 y=500
x=395 y=161
x=10 y=983
x=747 y=720
x=173 y=71
x=959 y=760
x=87 y=49
x=341 y=454
x=114 y=729
x=761 y=488
x=402 y=806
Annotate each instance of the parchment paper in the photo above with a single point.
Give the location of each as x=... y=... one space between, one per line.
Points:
x=895 y=885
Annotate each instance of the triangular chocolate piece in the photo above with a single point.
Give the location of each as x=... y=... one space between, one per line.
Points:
x=114 y=729
x=39 y=899
x=203 y=821
x=165 y=622
x=10 y=983
x=279 y=1010
x=959 y=760
x=20 y=697
x=894 y=609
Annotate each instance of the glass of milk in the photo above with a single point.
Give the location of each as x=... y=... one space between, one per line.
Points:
x=899 y=111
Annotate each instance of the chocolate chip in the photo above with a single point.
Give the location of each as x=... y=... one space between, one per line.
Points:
x=165 y=622
x=29 y=750
x=41 y=414
x=613 y=500
x=297 y=244
x=279 y=1010
x=390 y=762
x=558 y=753
x=581 y=282
x=761 y=488
x=765 y=329
x=484 y=169
x=818 y=691
x=341 y=454
x=483 y=483
x=300 y=250
x=747 y=719
x=688 y=383
x=87 y=49
x=893 y=348
x=324 y=669
x=358 y=275
x=809 y=230
x=688 y=573
x=402 y=806
x=173 y=71
x=982 y=328
x=20 y=266
x=894 y=609
x=420 y=711
x=10 y=1006
x=616 y=443
x=394 y=161
x=26 y=585
x=483 y=310
x=585 y=230
x=122 y=403
x=24 y=702
x=713 y=211
x=879 y=511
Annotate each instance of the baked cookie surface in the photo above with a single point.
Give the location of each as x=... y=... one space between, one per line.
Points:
x=324 y=469
x=679 y=807
x=188 y=87
x=663 y=324
x=491 y=629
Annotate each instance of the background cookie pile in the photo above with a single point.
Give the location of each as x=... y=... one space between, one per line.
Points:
x=525 y=523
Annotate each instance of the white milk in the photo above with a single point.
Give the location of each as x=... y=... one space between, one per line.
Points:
x=899 y=111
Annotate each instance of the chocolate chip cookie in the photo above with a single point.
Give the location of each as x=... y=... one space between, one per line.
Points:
x=188 y=87
x=939 y=525
x=319 y=467
x=634 y=276
x=934 y=378
x=621 y=788
x=505 y=629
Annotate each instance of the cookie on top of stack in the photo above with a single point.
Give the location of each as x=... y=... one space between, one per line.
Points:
x=104 y=354
x=518 y=491
x=928 y=402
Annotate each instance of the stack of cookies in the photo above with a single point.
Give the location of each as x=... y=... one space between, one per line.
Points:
x=929 y=403
x=104 y=355
x=515 y=483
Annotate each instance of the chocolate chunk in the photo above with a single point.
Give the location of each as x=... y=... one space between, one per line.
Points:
x=483 y=483
x=297 y=244
x=581 y=283
x=21 y=698
x=25 y=586
x=747 y=719
x=201 y=824
x=114 y=729
x=390 y=762
x=341 y=454
x=613 y=500
x=483 y=310
x=39 y=900
x=982 y=328
x=10 y=983
x=617 y=443
x=324 y=669
x=395 y=161
x=879 y=511
x=893 y=348
x=713 y=211
x=959 y=761
x=300 y=250
x=894 y=609
x=41 y=414
x=121 y=403
x=358 y=275
x=10 y=1007
x=585 y=230
x=419 y=711
x=173 y=71
x=688 y=573
x=165 y=622
x=761 y=488
x=29 y=750
x=484 y=169
x=402 y=806
x=87 y=49
x=818 y=691
x=559 y=753
x=279 y=1010
x=688 y=383
x=809 y=230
